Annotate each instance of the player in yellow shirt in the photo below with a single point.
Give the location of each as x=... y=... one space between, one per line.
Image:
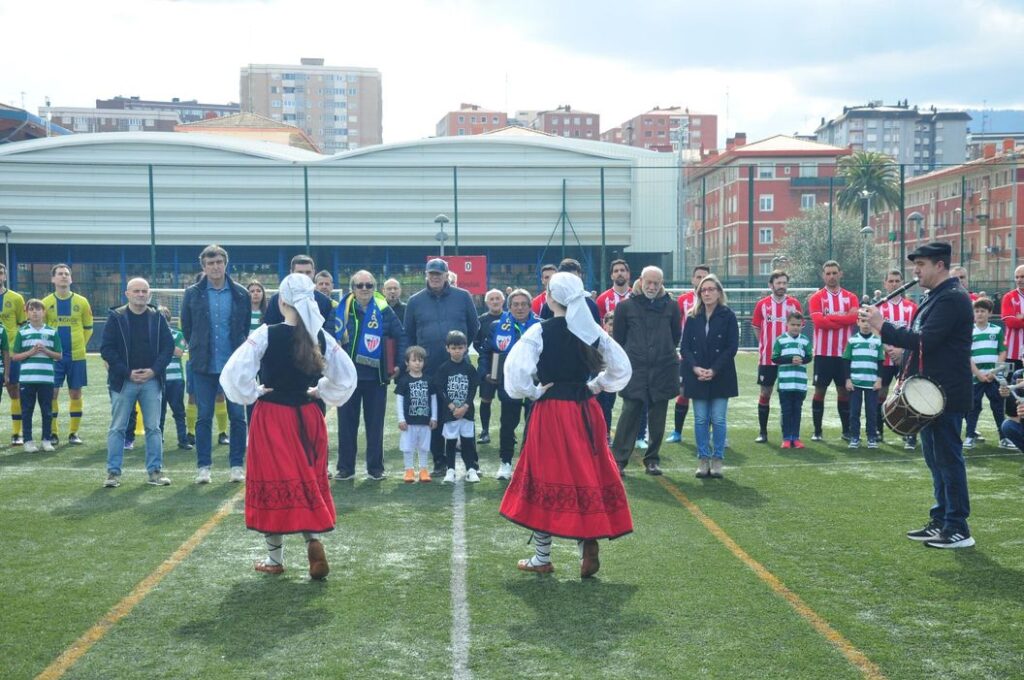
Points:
x=12 y=316
x=71 y=315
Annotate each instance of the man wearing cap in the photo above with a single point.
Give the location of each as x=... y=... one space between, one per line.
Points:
x=939 y=344
x=429 y=316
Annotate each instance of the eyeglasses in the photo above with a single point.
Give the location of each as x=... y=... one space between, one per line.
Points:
x=962 y=278
x=363 y=286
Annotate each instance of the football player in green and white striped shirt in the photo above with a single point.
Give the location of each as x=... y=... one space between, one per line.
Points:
x=988 y=347
x=792 y=352
x=864 y=356
x=36 y=346
x=174 y=386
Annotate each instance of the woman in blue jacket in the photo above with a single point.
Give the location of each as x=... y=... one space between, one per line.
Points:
x=708 y=371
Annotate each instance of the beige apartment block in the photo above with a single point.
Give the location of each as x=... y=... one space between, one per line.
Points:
x=338 y=107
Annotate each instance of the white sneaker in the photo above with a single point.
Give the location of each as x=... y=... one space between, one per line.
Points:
x=449 y=477
x=31 y=447
x=47 y=446
x=472 y=476
x=641 y=444
x=203 y=476
x=1005 y=443
x=504 y=471
x=237 y=474
x=969 y=443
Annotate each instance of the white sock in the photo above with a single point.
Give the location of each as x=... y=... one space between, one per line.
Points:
x=407 y=458
x=310 y=536
x=542 y=546
x=275 y=549
x=424 y=455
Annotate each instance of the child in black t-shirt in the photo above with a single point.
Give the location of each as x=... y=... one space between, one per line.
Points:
x=455 y=382
x=416 y=405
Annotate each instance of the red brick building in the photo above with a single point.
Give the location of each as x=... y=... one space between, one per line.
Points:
x=989 y=195
x=790 y=175
x=568 y=122
x=669 y=129
x=470 y=119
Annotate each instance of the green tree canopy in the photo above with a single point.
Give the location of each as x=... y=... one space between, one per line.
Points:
x=868 y=171
x=806 y=248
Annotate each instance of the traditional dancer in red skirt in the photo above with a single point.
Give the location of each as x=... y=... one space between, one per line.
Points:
x=286 y=489
x=566 y=483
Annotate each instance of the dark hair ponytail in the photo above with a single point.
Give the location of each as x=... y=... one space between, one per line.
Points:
x=305 y=352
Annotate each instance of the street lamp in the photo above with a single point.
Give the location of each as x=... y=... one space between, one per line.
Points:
x=6 y=231
x=918 y=219
x=441 y=236
x=868 y=233
x=866 y=195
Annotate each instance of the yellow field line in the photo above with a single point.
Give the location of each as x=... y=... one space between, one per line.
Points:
x=79 y=647
x=856 y=657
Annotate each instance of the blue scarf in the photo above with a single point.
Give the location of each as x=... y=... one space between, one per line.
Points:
x=368 y=331
x=506 y=330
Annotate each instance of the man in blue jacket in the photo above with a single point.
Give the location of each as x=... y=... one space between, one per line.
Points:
x=429 y=315
x=215 y=321
x=137 y=346
x=373 y=337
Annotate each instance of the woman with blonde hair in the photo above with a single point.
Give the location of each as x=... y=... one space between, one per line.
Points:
x=708 y=370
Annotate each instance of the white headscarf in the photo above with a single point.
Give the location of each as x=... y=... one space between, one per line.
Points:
x=567 y=290
x=297 y=291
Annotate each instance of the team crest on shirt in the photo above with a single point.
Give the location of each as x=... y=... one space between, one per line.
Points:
x=503 y=342
x=371 y=342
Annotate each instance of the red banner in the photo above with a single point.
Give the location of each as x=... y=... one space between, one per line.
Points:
x=471 y=271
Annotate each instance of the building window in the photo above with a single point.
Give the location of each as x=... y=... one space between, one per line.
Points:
x=766 y=203
x=765 y=172
x=462 y=131
x=590 y=121
x=766 y=267
x=808 y=169
x=494 y=120
x=351 y=91
x=766 y=235
x=276 y=104
x=807 y=201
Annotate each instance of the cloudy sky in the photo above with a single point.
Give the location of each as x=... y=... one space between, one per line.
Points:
x=765 y=67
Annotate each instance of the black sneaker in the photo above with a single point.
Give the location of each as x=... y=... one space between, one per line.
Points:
x=191 y=438
x=185 y=446
x=931 y=530
x=344 y=476
x=74 y=439
x=845 y=437
x=951 y=540
x=761 y=438
x=439 y=471
x=652 y=469
x=223 y=439
x=485 y=438
x=55 y=440
x=816 y=437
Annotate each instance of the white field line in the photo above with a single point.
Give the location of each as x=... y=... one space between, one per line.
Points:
x=460 y=603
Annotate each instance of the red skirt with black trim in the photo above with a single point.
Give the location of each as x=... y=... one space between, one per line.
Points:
x=567 y=482
x=286 y=486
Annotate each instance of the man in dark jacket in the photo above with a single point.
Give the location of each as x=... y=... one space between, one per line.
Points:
x=648 y=328
x=303 y=264
x=393 y=293
x=137 y=346
x=373 y=337
x=429 y=316
x=215 y=314
x=939 y=340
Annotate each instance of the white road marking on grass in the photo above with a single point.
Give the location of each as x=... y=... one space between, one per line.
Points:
x=460 y=603
x=79 y=647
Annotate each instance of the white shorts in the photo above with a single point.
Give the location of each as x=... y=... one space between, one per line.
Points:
x=415 y=439
x=454 y=429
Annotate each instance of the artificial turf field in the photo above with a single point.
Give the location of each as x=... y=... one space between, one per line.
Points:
x=793 y=566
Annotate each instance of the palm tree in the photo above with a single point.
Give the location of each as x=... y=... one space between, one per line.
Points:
x=868 y=171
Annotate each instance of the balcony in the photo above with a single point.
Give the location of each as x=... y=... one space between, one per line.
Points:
x=815 y=182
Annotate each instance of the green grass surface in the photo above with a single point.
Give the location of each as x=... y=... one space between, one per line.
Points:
x=670 y=599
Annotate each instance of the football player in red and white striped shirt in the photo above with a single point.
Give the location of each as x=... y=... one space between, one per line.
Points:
x=620 y=290
x=546 y=272
x=834 y=314
x=686 y=302
x=769 y=323
x=1013 y=319
x=898 y=311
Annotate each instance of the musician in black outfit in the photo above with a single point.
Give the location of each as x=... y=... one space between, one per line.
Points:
x=941 y=332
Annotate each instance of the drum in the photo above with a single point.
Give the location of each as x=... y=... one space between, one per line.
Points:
x=913 y=404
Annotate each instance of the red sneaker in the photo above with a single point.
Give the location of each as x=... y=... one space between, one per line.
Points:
x=798 y=444
x=785 y=444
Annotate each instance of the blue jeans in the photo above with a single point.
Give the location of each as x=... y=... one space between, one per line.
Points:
x=174 y=396
x=995 y=402
x=1014 y=431
x=709 y=414
x=206 y=386
x=943 y=453
x=374 y=398
x=791 y=402
x=122 y=404
x=869 y=398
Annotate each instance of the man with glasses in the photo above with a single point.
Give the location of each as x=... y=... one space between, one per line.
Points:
x=961 y=273
x=429 y=316
x=368 y=328
x=215 y=321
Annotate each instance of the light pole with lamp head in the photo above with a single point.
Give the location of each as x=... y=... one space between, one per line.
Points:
x=441 y=236
x=867 y=233
x=6 y=231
